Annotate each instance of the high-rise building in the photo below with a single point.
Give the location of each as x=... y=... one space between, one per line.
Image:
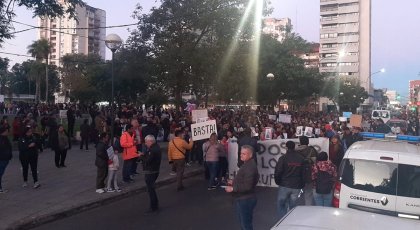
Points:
x=345 y=44
x=276 y=27
x=85 y=35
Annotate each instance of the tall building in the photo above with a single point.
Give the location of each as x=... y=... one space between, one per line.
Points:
x=312 y=57
x=345 y=44
x=85 y=35
x=276 y=27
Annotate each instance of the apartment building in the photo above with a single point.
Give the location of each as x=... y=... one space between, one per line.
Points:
x=85 y=35
x=276 y=27
x=345 y=40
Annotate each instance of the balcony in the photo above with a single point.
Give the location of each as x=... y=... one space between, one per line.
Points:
x=328 y=2
x=329 y=20
x=328 y=30
x=348 y=9
x=350 y=58
x=329 y=69
x=328 y=40
x=328 y=10
x=348 y=29
x=328 y=50
x=348 y=38
x=348 y=18
x=345 y=69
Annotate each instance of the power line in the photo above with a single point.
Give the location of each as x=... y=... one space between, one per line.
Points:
x=77 y=28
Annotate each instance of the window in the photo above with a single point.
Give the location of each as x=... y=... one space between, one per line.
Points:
x=358 y=174
x=408 y=181
x=330 y=35
x=331 y=45
x=329 y=18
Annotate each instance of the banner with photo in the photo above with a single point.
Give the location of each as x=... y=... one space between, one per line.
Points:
x=267 y=157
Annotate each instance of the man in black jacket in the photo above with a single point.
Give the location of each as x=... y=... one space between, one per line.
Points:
x=151 y=159
x=246 y=139
x=5 y=153
x=101 y=162
x=290 y=177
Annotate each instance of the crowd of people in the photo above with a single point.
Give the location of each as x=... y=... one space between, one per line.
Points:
x=135 y=132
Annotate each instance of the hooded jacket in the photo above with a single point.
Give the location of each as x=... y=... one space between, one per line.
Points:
x=290 y=171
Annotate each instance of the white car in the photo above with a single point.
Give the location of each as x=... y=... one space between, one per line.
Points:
x=381 y=176
x=325 y=218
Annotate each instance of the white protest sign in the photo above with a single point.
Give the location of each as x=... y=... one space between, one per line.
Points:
x=1 y=98
x=299 y=131
x=203 y=130
x=203 y=119
x=268 y=133
x=284 y=118
x=309 y=131
x=342 y=119
x=199 y=113
x=267 y=157
x=63 y=114
x=272 y=117
x=110 y=152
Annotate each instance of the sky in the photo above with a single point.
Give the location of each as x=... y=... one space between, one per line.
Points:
x=395 y=33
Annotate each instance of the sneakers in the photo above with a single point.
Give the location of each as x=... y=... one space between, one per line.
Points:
x=172 y=173
x=211 y=188
x=3 y=190
x=118 y=190
x=100 y=190
x=37 y=185
x=24 y=185
x=110 y=190
x=188 y=164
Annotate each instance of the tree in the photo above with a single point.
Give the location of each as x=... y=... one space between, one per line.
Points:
x=347 y=94
x=179 y=32
x=21 y=81
x=4 y=76
x=41 y=8
x=41 y=49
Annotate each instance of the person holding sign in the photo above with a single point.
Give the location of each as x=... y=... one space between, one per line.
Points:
x=243 y=188
x=176 y=155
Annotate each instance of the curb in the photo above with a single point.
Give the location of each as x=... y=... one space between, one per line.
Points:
x=35 y=221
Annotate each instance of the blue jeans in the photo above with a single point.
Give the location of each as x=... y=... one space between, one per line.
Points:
x=3 y=165
x=245 y=209
x=213 y=167
x=127 y=166
x=323 y=199
x=286 y=200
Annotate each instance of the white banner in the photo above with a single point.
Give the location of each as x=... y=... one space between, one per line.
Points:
x=272 y=117
x=267 y=157
x=63 y=114
x=203 y=130
x=1 y=98
x=199 y=113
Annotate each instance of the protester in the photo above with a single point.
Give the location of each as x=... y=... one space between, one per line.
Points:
x=212 y=150
x=309 y=154
x=5 y=153
x=246 y=139
x=84 y=134
x=129 y=154
x=176 y=154
x=137 y=130
x=28 y=156
x=289 y=175
x=113 y=166
x=151 y=159
x=243 y=188
x=324 y=174
x=71 y=120
x=61 y=146
x=336 y=150
x=101 y=162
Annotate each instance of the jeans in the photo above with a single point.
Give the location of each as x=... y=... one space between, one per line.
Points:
x=308 y=195
x=179 y=168
x=3 y=165
x=150 y=180
x=323 y=199
x=213 y=167
x=127 y=167
x=60 y=157
x=286 y=200
x=245 y=209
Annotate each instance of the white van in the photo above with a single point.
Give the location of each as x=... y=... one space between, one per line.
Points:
x=381 y=176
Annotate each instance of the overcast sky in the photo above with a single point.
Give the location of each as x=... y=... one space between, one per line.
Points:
x=395 y=33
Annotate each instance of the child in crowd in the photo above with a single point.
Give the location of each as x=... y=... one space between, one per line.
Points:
x=113 y=167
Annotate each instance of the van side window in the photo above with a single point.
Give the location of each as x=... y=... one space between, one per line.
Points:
x=358 y=174
x=409 y=181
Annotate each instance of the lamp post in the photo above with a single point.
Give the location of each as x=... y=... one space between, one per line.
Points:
x=113 y=42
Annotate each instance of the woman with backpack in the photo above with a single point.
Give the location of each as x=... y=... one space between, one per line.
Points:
x=324 y=174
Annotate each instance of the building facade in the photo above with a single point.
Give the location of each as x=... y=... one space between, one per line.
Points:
x=85 y=35
x=345 y=43
x=276 y=27
x=414 y=91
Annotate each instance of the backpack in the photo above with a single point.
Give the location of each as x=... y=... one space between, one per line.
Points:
x=307 y=163
x=324 y=182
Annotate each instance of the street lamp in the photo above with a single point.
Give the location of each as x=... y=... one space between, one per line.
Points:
x=113 y=42
x=270 y=76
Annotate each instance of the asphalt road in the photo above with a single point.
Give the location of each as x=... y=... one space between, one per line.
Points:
x=193 y=208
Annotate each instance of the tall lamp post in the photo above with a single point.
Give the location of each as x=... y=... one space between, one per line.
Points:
x=113 y=42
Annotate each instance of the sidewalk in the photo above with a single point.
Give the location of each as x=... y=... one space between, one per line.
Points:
x=65 y=191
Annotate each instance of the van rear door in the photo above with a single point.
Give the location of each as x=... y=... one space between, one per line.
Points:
x=408 y=190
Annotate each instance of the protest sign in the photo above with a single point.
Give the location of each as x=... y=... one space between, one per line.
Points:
x=309 y=131
x=284 y=118
x=356 y=120
x=268 y=134
x=63 y=114
x=203 y=119
x=299 y=131
x=347 y=114
x=203 y=130
x=272 y=117
x=268 y=155
x=110 y=152
x=1 y=98
x=199 y=113
x=342 y=119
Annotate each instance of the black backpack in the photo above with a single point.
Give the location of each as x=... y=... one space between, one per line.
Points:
x=324 y=182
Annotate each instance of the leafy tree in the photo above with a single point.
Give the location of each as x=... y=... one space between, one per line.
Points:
x=347 y=94
x=4 y=76
x=41 y=8
x=21 y=81
x=41 y=49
